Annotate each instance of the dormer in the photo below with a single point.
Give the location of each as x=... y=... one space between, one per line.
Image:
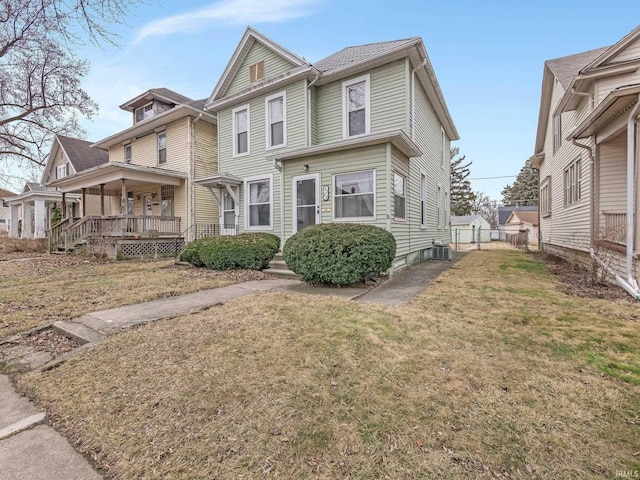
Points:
x=153 y=102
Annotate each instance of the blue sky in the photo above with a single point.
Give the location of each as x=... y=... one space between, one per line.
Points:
x=488 y=56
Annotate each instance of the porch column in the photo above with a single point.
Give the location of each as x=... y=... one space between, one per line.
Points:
x=27 y=220
x=13 y=221
x=64 y=205
x=123 y=198
x=102 y=199
x=84 y=202
x=39 y=217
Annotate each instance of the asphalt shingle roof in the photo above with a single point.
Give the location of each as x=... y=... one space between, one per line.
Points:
x=463 y=219
x=6 y=193
x=81 y=155
x=504 y=212
x=565 y=68
x=356 y=54
x=528 y=216
x=165 y=92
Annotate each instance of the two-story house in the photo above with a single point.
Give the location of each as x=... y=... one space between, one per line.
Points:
x=360 y=136
x=31 y=212
x=146 y=186
x=587 y=155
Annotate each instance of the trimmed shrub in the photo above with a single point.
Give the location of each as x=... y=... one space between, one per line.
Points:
x=253 y=251
x=339 y=253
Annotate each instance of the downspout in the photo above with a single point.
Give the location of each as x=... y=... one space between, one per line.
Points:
x=309 y=109
x=631 y=193
x=413 y=98
x=592 y=200
x=192 y=168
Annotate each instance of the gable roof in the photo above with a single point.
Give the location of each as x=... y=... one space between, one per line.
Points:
x=505 y=212
x=525 y=216
x=33 y=187
x=353 y=55
x=78 y=153
x=6 y=193
x=250 y=37
x=609 y=53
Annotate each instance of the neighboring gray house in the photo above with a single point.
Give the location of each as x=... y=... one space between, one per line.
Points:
x=31 y=210
x=360 y=136
x=470 y=229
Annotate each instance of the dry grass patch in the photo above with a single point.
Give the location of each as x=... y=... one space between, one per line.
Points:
x=46 y=289
x=485 y=375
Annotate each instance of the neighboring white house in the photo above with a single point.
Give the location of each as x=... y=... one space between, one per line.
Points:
x=587 y=154
x=522 y=220
x=5 y=212
x=470 y=229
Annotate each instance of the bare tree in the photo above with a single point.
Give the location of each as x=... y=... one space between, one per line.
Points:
x=486 y=207
x=40 y=75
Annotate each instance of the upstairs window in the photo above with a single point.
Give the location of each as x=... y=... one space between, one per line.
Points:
x=256 y=72
x=423 y=199
x=162 y=148
x=144 y=112
x=356 y=107
x=573 y=182
x=399 y=196
x=557 y=132
x=241 y=130
x=62 y=171
x=443 y=148
x=276 y=129
x=127 y=153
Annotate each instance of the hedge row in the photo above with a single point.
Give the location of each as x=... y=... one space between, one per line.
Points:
x=252 y=251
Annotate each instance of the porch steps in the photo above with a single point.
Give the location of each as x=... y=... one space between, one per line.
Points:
x=278 y=268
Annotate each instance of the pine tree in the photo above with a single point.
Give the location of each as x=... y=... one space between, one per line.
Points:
x=524 y=190
x=462 y=197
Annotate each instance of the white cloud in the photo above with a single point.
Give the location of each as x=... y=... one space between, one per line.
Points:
x=230 y=12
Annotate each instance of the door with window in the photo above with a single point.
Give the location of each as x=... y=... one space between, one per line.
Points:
x=306 y=201
x=228 y=214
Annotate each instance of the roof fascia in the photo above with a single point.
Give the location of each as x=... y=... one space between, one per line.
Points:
x=545 y=108
x=127 y=106
x=246 y=42
x=614 y=50
x=54 y=149
x=150 y=125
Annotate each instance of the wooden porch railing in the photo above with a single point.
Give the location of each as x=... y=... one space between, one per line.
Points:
x=615 y=227
x=69 y=235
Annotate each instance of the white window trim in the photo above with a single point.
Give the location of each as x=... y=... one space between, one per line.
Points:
x=443 y=145
x=233 y=127
x=545 y=197
x=142 y=107
x=440 y=206
x=570 y=189
x=247 y=181
x=367 y=105
x=404 y=177
x=423 y=199
x=267 y=115
x=333 y=198
x=124 y=152
x=65 y=170
x=166 y=158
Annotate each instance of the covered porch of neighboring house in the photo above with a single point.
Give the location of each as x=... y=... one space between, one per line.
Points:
x=225 y=189
x=31 y=213
x=140 y=210
x=615 y=227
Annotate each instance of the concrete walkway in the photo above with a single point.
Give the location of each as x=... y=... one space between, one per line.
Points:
x=29 y=449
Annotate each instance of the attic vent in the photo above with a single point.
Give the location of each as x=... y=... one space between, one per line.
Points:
x=441 y=252
x=256 y=72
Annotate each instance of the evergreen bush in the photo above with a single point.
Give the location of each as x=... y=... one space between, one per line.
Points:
x=339 y=253
x=252 y=251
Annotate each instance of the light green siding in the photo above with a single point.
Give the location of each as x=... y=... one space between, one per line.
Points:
x=274 y=65
x=399 y=227
x=389 y=104
x=355 y=160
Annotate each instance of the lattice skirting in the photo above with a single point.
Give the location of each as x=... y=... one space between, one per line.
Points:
x=148 y=248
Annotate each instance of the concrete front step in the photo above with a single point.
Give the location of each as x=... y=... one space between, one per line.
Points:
x=283 y=273
x=77 y=332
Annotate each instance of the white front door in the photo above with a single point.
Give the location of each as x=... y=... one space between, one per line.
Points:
x=228 y=214
x=306 y=201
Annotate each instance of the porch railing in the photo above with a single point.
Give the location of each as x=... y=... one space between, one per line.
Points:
x=615 y=227
x=69 y=235
x=56 y=232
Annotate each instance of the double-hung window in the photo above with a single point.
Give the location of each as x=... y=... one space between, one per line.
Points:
x=144 y=112
x=557 y=132
x=572 y=182
x=354 y=195
x=259 y=202
x=423 y=198
x=62 y=171
x=127 y=153
x=276 y=116
x=162 y=148
x=241 y=130
x=440 y=209
x=399 y=196
x=545 y=197
x=356 y=107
